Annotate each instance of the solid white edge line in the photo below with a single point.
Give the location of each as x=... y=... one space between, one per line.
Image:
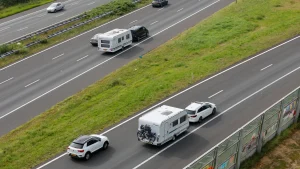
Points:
x=266 y=67
x=73 y=38
x=145 y=161
x=240 y=128
x=82 y=58
x=215 y=94
x=32 y=83
x=6 y=80
x=58 y=56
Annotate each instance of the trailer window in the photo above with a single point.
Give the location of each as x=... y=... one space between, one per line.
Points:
x=175 y=123
x=104 y=45
x=127 y=36
x=119 y=40
x=182 y=119
x=122 y=37
x=105 y=41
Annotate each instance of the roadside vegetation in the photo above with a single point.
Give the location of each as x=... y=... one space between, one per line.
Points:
x=11 y=7
x=121 y=7
x=282 y=152
x=230 y=35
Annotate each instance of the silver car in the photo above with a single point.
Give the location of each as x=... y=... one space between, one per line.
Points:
x=94 y=40
x=55 y=7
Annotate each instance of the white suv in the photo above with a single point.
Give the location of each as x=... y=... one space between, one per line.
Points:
x=197 y=111
x=85 y=145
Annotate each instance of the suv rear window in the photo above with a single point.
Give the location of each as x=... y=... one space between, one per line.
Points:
x=76 y=145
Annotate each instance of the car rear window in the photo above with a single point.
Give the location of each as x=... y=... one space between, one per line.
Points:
x=76 y=145
x=190 y=111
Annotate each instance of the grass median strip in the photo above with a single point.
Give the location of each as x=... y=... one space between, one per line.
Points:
x=230 y=35
x=120 y=7
x=8 y=9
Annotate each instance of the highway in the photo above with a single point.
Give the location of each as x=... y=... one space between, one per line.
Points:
x=248 y=88
x=32 y=86
x=26 y=22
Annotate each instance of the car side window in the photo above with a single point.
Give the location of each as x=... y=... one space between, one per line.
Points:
x=91 y=142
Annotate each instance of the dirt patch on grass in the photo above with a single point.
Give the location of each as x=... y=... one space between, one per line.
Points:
x=285 y=156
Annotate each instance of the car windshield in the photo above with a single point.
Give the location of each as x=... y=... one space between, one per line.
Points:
x=53 y=5
x=190 y=111
x=76 y=145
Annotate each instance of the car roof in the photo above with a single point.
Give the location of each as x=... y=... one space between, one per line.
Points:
x=194 y=105
x=135 y=27
x=82 y=139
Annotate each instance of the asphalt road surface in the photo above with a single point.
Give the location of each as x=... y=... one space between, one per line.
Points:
x=26 y=22
x=32 y=86
x=247 y=90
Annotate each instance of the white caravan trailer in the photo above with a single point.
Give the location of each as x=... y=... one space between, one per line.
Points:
x=162 y=124
x=114 y=40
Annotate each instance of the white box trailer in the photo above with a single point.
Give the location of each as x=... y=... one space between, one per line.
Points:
x=162 y=124
x=114 y=40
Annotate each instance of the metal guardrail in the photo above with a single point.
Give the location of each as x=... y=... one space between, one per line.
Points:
x=251 y=137
x=56 y=33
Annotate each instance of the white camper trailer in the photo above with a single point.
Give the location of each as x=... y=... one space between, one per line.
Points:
x=162 y=124
x=114 y=40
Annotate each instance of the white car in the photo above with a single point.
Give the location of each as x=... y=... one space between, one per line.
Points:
x=197 y=111
x=94 y=40
x=85 y=145
x=55 y=7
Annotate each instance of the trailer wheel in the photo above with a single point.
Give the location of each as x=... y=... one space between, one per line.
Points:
x=174 y=138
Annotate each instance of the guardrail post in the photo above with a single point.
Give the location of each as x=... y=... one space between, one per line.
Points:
x=239 y=153
x=298 y=107
x=260 y=138
x=215 y=157
x=280 y=118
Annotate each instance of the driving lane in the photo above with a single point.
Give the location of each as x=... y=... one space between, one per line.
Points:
x=35 y=83
x=247 y=91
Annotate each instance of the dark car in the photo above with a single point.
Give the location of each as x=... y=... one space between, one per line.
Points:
x=159 y=3
x=139 y=32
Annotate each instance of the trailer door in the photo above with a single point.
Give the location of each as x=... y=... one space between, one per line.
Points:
x=166 y=134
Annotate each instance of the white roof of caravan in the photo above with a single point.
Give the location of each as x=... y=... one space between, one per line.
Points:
x=113 y=33
x=160 y=114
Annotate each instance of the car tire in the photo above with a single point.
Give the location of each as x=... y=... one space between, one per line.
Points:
x=105 y=145
x=54 y=11
x=87 y=156
x=214 y=111
x=200 y=119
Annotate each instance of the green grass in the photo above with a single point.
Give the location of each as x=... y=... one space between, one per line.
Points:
x=230 y=35
x=271 y=145
x=123 y=6
x=11 y=10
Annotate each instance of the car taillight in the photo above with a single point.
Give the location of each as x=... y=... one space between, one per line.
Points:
x=194 y=116
x=80 y=151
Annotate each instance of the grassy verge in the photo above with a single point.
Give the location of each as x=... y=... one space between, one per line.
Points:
x=223 y=39
x=11 y=10
x=121 y=6
x=282 y=152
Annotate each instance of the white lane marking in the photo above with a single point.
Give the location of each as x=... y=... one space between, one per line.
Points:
x=215 y=94
x=266 y=67
x=23 y=28
x=6 y=80
x=60 y=15
x=120 y=124
x=160 y=9
x=4 y=28
x=91 y=3
x=41 y=15
x=236 y=104
x=75 y=3
x=153 y=22
x=180 y=10
x=82 y=58
x=58 y=56
x=27 y=15
x=132 y=22
x=73 y=37
x=186 y=167
x=32 y=83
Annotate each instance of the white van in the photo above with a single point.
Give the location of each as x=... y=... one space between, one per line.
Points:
x=114 y=40
x=162 y=124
